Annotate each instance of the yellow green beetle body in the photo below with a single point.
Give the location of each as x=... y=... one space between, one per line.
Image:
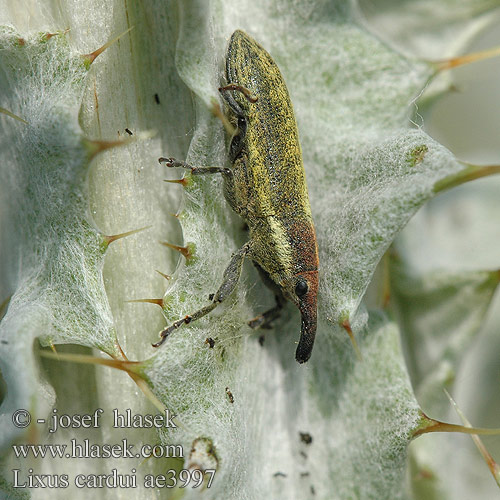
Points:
x=266 y=186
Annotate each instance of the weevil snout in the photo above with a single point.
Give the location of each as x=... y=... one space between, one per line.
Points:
x=307 y=293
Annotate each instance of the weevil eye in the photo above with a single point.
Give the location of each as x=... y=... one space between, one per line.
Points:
x=301 y=288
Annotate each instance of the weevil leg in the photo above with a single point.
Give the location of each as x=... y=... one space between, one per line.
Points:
x=230 y=279
x=225 y=92
x=264 y=320
x=173 y=163
x=232 y=86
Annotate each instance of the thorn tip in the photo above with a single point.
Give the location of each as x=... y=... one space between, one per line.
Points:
x=157 y=302
x=454 y=62
x=346 y=325
x=90 y=58
x=109 y=239
x=184 y=182
x=166 y=276
x=186 y=251
x=12 y=115
x=217 y=112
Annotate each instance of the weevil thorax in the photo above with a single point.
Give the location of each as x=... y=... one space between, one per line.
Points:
x=268 y=187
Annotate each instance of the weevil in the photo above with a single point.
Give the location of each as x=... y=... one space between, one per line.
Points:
x=266 y=186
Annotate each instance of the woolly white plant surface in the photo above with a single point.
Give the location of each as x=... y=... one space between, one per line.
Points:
x=252 y=406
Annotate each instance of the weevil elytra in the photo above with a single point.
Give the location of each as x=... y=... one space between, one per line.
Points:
x=266 y=186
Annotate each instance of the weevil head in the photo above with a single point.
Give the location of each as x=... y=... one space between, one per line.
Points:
x=242 y=53
x=250 y=66
x=302 y=290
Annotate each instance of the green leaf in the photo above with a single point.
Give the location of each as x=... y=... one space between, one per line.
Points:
x=442 y=297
